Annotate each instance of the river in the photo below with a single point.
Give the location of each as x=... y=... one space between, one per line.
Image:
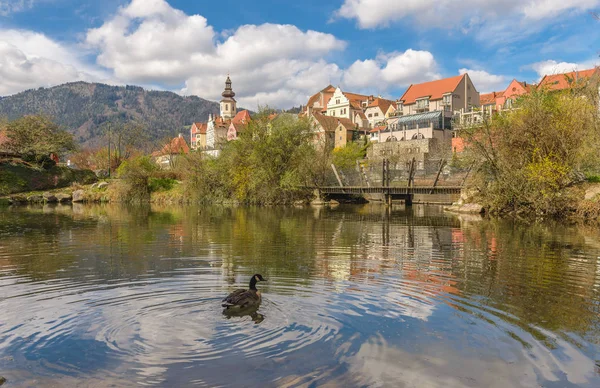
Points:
x=357 y=296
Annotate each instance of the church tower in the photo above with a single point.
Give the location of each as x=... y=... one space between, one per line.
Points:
x=228 y=107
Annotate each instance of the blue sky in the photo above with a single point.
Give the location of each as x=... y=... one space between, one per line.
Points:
x=279 y=52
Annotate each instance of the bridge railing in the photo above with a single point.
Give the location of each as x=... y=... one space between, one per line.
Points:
x=370 y=174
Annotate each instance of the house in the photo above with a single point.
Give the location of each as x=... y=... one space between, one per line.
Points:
x=378 y=110
x=445 y=95
x=219 y=128
x=318 y=101
x=238 y=124
x=337 y=131
x=347 y=105
x=167 y=156
x=514 y=90
x=564 y=81
x=198 y=136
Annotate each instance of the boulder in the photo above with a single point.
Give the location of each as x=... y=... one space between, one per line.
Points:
x=61 y=197
x=35 y=198
x=468 y=208
x=16 y=199
x=101 y=173
x=592 y=192
x=78 y=195
x=49 y=197
x=102 y=185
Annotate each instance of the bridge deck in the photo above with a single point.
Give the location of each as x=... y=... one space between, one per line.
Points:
x=389 y=190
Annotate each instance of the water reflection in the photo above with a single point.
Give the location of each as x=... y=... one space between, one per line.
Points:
x=357 y=296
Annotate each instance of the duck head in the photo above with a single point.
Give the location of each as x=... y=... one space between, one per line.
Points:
x=256 y=278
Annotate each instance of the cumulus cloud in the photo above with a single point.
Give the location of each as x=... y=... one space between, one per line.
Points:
x=466 y=14
x=392 y=70
x=29 y=60
x=485 y=82
x=149 y=41
x=553 y=67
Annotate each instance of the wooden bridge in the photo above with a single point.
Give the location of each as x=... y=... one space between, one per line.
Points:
x=393 y=190
x=390 y=193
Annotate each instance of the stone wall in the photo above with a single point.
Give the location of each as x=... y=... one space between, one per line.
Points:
x=426 y=152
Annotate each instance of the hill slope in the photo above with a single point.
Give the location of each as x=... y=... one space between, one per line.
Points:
x=82 y=108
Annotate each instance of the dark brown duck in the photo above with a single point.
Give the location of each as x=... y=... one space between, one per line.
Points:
x=245 y=298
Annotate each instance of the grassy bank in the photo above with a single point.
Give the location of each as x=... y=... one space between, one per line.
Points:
x=17 y=176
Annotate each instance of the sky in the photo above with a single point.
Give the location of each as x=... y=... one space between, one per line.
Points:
x=279 y=52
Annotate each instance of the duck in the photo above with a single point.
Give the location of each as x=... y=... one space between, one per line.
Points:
x=245 y=298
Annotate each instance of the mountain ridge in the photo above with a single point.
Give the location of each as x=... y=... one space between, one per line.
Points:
x=82 y=108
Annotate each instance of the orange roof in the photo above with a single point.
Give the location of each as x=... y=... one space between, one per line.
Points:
x=565 y=80
x=198 y=128
x=433 y=89
x=489 y=98
x=242 y=117
x=353 y=97
x=378 y=128
x=330 y=123
x=327 y=93
x=383 y=104
x=177 y=145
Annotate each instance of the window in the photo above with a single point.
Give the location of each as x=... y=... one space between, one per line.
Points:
x=370 y=114
x=226 y=107
x=447 y=100
x=376 y=114
x=337 y=101
x=423 y=104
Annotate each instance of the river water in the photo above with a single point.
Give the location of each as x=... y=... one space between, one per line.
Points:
x=356 y=297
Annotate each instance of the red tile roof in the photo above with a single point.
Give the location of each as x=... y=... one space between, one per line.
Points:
x=383 y=104
x=242 y=117
x=198 y=128
x=176 y=146
x=433 y=89
x=565 y=80
x=327 y=93
x=489 y=98
x=378 y=128
x=330 y=123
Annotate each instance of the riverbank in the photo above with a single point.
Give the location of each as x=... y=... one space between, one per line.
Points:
x=18 y=176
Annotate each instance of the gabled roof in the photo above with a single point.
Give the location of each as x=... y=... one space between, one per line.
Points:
x=566 y=80
x=383 y=104
x=354 y=97
x=330 y=123
x=433 y=89
x=328 y=92
x=177 y=145
x=361 y=114
x=489 y=98
x=199 y=128
x=242 y=117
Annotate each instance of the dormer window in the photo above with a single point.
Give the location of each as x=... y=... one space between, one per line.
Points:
x=423 y=104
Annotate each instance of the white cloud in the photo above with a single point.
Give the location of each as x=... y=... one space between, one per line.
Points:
x=392 y=70
x=553 y=67
x=511 y=17
x=485 y=82
x=29 y=60
x=149 y=41
x=11 y=6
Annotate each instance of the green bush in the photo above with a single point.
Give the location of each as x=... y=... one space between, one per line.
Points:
x=161 y=184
